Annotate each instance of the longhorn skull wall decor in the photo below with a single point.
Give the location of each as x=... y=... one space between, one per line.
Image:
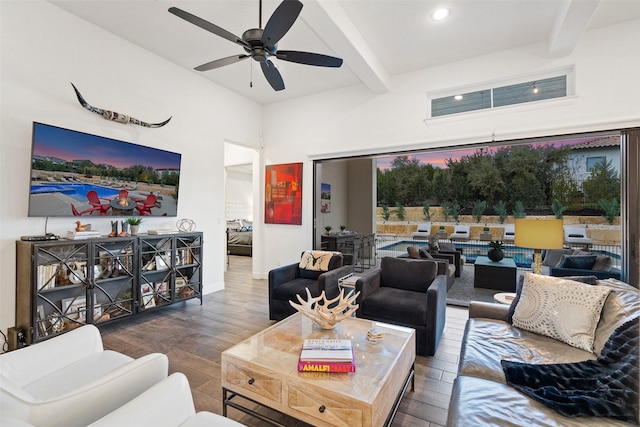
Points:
x=116 y=117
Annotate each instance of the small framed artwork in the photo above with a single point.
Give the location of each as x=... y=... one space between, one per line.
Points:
x=146 y=293
x=75 y=308
x=161 y=291
x=325 y=198
x=161 y=263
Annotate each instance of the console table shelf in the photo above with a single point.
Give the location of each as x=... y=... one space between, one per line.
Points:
x=64 y=284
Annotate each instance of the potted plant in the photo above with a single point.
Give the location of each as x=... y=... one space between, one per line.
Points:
x=328 y=228
x=134 y=223
x=343 y=228
x=495 y=253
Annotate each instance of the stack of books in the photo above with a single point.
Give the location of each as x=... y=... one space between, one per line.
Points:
x=75 y=235
x=161 y=231
x=326 y=356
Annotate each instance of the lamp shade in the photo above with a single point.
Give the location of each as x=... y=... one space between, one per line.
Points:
x=539 y=233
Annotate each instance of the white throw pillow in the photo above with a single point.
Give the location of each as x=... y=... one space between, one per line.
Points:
x=562 y=309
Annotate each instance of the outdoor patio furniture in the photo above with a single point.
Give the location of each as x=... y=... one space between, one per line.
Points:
x=96 y=202
x=576 y=235
x=144 y=207
x=423 y=232
x=509 y=233
x=460 y=232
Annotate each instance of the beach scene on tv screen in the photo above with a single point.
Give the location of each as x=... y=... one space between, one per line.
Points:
x=79 y=174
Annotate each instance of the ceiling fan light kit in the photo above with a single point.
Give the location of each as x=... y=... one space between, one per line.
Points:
x=262 y=44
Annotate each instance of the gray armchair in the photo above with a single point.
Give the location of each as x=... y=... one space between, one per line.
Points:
x=287 y=281
x=406 y=292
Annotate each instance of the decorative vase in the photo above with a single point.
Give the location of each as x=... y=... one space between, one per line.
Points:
x=134 y=229
x=495 y=255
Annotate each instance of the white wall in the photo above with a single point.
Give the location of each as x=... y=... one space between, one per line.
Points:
x=43 y=50
x=352 y=121
x=239 y=190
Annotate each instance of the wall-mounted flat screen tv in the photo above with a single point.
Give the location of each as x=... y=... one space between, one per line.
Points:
x=78 y=174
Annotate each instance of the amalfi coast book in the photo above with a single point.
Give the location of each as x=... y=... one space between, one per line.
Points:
x=326 y=356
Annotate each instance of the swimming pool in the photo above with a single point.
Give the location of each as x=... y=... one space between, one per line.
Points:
x=523 y=257
x=76 y=191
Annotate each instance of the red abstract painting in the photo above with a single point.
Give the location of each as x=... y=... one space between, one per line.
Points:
x=283 y=194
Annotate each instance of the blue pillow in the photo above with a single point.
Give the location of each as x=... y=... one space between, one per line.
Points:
x=583 y=262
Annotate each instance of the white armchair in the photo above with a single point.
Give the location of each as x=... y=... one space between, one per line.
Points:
x=167 y=404
x=70 y=380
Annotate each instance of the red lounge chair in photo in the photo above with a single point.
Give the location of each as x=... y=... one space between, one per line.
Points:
x=95 y=201
x=123 y=194
x=76 y=212
x=144 y=207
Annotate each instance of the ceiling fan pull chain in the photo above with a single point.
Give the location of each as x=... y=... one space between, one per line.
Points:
x=250 y=74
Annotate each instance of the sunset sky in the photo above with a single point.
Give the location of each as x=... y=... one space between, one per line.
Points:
x=438 y=158
x=70 y=145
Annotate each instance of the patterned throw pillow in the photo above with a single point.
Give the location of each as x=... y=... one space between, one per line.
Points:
x=562 y=309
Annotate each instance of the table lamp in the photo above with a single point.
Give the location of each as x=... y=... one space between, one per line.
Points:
x=538 y=234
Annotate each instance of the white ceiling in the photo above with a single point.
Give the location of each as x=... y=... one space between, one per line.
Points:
x=376 y=38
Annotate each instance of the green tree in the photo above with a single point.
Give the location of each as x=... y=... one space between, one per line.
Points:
x=565 y=189
x=399 y=211
x=478 y=209
x=455 y=211
x=603 y=183
x=426 y=213
x=518 y=210
x=501 y=211
x=484 y=177
x=558 y=208
x=611 y=209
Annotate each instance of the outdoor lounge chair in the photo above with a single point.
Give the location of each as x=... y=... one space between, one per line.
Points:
x=76 y=212
x=460 y=232
x=95 y=201
x=576 y=235
x=509 y=233
x=423 y=232
x=144 y=207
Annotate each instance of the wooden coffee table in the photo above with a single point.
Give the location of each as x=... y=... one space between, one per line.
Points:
x=263 y=370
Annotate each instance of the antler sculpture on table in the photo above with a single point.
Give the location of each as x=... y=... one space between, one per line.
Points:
x=318 y=309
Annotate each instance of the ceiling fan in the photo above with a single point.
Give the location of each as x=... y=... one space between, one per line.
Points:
x=262 y=44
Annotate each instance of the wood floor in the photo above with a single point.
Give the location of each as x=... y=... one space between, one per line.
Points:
x=193 y=337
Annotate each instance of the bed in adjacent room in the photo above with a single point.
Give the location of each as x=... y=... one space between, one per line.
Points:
x=239 y=238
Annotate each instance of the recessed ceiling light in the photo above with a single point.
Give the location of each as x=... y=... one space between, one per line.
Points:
x=440 y=14
x=457 y=97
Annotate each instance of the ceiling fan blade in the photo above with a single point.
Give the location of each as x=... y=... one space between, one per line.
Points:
x=221 y=62
x=282 y=19
x=206 y=25
x=272 y=74
x=309 y=58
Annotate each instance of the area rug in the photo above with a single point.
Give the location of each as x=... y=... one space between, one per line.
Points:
x=463 y=291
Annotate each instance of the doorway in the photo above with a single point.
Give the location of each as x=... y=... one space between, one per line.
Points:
x=241 y=200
